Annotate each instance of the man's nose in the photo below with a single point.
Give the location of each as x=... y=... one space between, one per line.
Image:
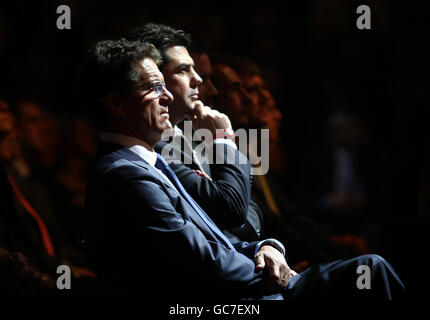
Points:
x=166 y=96
x=196 y=80
x=245 y=97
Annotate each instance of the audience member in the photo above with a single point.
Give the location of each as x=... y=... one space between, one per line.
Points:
x=38 y=136
x=78 y=148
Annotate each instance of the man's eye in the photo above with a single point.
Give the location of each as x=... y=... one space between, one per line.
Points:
x=184 y=69
x=252 y=89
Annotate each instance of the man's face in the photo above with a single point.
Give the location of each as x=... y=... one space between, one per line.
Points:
x=207 y=90
x=183 y=81
x=232 y=98
x=145 y=113
x=265 y=114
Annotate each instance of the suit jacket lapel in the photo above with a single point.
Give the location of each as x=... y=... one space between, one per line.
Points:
x=190 y=214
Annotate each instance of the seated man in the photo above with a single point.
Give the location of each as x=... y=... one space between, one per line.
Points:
x=148 y=237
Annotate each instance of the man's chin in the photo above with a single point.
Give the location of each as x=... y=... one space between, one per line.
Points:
x=167 y=125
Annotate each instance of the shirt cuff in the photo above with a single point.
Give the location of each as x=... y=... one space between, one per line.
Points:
x=271 y=242
x=226 y=141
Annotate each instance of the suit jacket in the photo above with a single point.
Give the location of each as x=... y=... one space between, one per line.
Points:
x=226 y=198
x=145 y=239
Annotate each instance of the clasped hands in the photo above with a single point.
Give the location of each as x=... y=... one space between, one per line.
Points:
x=272 y=262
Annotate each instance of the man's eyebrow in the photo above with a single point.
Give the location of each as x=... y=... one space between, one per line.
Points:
x=184 y=66
x=155 y=77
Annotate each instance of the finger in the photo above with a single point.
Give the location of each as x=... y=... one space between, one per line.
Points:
x=285 y=274
x=214 y=112
x=259 y=262
x=207 y=112
x=198 y=108
x=196 y=112
x=274 y=272
x=277 y=274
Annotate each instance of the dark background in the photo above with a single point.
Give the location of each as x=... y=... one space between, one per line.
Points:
x=313 y=56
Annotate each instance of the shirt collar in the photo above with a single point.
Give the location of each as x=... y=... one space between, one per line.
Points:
x=137 y=146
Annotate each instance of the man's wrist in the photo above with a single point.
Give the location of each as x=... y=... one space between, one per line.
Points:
x=273 y=243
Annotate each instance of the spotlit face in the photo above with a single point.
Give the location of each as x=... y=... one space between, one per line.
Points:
x=183 y=81
x=147 y=113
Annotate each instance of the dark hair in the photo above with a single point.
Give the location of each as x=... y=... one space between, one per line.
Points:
x=112 y=66
x=197 y=49
x=161 y=36
x=247 y=67
x=243 y=66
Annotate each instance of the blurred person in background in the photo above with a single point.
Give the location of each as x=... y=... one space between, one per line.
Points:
x=38 y=135
x=231 y=91
x=31 y=225
x=18 y=277
x=79 y=146
x=339 y=181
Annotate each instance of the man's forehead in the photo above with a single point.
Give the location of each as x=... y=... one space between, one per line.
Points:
x=150 y=71
x=179 y=55
x=252 y=80
x=226 y=73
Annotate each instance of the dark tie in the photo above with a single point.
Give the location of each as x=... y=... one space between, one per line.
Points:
x=168 y=172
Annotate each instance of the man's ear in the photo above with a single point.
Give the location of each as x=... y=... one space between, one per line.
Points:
x=114 y=103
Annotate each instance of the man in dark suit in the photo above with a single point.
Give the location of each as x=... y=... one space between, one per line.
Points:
x=148 y=237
